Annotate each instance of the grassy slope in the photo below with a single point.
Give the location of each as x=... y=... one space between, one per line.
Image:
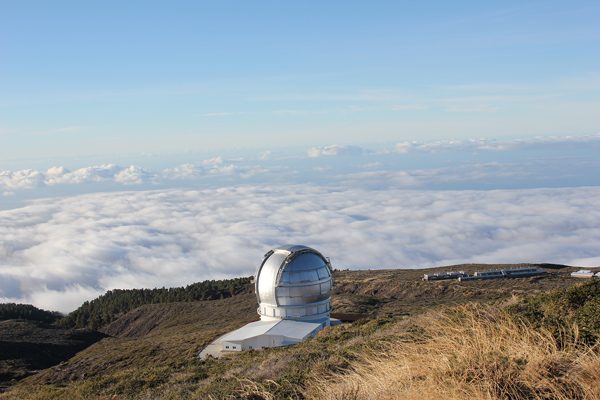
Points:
x=467 y=352
x=401 y=292
x=151 y=352
x=184 y=329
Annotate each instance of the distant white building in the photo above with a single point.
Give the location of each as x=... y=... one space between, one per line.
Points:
x=584 y=273
x=293 y=287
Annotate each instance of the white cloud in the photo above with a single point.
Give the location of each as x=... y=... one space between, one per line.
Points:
x=224 y=170
x=60 y=175
x=213 y=161
x=211 y=168
x=184 y=171
x=335 y=150
x=265 y=155
x=472 y=145
x=64 y=251
x=25 y=179
x=134 y=175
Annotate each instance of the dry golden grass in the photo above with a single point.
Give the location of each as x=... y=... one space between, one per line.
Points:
x=251 y=390
x=470 y=353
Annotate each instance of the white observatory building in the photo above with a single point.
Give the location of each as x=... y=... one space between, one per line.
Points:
x=293 y=288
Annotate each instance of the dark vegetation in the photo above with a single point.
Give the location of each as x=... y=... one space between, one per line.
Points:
x=570 y=312
x=28 y=312
x=29 y=346
x=151 y=348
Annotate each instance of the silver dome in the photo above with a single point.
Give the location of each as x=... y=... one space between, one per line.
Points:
x=294 y=282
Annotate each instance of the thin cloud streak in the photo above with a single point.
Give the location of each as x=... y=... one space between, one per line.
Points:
x=476 y=108
x=218 y=114
x=68 y=129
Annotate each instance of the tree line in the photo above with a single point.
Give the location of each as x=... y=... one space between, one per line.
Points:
x=108 y=307
x=28 y=312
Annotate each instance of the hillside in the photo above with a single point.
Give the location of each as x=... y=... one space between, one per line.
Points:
x=29 y=346
x=402 y=292
x=150 y=350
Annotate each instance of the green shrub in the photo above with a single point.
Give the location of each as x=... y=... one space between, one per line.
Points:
x=570 y=314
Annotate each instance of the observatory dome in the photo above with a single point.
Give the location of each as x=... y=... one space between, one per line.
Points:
x=294 y=282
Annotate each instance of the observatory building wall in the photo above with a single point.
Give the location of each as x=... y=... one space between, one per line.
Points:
x=257 y=335
x=256 y=342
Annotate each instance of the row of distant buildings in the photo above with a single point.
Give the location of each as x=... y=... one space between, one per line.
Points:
x=503 y=273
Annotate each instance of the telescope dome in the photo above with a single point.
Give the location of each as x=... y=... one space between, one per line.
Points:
x=294 y=282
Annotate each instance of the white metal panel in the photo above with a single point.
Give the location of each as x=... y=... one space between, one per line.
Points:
x=250 y=330
x=266 y=281
x=294 y=329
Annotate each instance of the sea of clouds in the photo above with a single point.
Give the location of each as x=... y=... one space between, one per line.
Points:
x=369 y=213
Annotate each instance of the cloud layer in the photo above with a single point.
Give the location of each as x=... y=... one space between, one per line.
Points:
x=58 y=253
x=474 y=145
x=541 y=160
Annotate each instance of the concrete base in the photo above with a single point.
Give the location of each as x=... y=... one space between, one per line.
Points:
x=215 y=349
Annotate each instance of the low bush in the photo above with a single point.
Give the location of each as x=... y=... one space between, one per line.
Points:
x=569 y=314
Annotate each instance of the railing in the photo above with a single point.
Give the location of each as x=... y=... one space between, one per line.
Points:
x=329 y=308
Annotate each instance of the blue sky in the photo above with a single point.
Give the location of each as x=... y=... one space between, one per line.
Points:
x=151 y=144
x=81 y=78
